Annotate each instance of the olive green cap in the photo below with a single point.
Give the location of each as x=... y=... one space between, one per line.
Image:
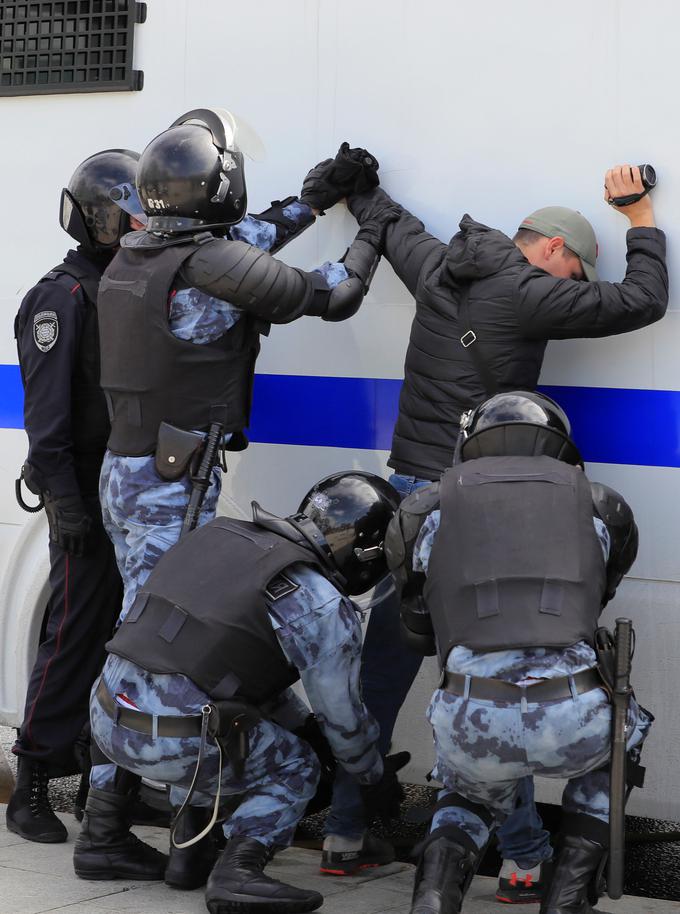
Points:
x=571 y=225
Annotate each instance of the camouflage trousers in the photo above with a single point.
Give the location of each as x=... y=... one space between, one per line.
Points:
x=280 y=776
x=485 y=748
x=143 y=515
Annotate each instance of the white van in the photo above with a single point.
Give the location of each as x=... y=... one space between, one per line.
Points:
x=490 y=108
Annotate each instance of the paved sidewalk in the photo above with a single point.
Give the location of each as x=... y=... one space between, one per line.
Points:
x=39 y=879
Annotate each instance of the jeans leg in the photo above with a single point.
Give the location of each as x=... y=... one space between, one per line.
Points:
x=522 y=837
x=388 y=669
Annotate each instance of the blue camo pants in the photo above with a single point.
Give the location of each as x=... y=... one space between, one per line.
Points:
x=280 y=776
x=485 y=749
x=143 y=515
x=388 y=670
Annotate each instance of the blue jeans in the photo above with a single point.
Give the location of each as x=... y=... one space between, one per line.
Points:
x=388 y=670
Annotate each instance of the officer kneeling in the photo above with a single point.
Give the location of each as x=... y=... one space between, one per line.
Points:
x=505 y=565
x=230 y=617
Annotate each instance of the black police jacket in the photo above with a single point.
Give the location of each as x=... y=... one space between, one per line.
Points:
x=65 y=411
x=515 y=309
x=203 y=612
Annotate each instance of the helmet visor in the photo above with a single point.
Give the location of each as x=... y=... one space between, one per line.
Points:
x=126 y=197
x=229 y=131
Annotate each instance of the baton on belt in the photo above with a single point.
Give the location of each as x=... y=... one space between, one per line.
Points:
x=623 y=646
x=201 y=480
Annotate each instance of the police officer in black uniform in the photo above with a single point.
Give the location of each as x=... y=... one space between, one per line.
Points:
x=67 y=426
x=503 y=568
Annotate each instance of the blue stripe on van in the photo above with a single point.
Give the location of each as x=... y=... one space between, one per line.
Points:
x=611 y=425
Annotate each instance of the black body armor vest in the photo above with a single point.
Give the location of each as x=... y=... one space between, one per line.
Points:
x=203 y=612
x=516 y=561
x=150 y=376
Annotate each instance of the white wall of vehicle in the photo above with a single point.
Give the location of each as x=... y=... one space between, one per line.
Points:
x=494 y=109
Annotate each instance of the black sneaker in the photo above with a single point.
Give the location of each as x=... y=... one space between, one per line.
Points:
x=374 y=852
x=518 y=886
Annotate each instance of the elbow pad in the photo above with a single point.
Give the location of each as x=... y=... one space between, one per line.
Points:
x=617 y=514
x=417 y=632
x=344 y=300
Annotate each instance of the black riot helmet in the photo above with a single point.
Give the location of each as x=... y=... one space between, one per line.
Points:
x=346 y=515
x=519 y=423
x=86 y=211
x=192 y=176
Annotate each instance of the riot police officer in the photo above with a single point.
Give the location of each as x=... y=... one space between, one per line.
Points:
x=232 y=615
x=67 y=426
x=182 y=309
x=505 y=565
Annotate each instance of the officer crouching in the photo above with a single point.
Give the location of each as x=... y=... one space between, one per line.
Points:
x=229 y=619
x=505 y=565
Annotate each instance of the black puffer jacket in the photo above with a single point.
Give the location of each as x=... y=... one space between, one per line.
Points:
x=515 y=309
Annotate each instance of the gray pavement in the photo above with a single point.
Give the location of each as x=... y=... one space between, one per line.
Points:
x=39 y=879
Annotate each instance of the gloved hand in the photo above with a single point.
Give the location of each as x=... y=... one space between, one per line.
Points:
x=352 y=171
x=384 y=798
x=69 y=522
x=312 y=733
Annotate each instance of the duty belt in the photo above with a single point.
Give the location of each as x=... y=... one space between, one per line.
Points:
x=152 y=724
x=477 y=687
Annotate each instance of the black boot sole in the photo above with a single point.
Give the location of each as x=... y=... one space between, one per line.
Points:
x=44 y=838
x=109 y=876
x=187 y=885
x=264 y=906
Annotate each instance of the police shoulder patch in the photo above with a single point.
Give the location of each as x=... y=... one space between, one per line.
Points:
x=280 y=586
x=45 y=330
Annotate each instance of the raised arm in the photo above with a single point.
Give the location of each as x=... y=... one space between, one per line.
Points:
x=550 y=308
x=256 y=282
x=407 y=245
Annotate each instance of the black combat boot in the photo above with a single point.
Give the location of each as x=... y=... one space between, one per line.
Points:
x=29 y=813
x=107 y=849
x=448 y=861
x=189 y=867
x=238 y=884
x=576 y=866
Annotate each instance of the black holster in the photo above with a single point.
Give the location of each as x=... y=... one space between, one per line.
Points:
x=177 y=451
x=229 y=724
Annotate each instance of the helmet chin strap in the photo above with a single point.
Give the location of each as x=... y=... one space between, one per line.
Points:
x=311 y=533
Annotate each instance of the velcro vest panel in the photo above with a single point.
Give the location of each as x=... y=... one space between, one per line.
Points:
x=148 y=374
x=516 y=561
x=203 y=612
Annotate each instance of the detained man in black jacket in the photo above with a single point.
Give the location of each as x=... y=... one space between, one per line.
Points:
x=486 y=306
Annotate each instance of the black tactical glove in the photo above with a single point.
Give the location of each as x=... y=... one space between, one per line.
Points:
x=352 y=171
x=384 y=799
x=312 y=733
x=69 y=522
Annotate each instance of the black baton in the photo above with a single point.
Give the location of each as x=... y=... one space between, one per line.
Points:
x=201 y=481
x=623 y=643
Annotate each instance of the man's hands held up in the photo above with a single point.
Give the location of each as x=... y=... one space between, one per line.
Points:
x=623 y=180
x=352 y=171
